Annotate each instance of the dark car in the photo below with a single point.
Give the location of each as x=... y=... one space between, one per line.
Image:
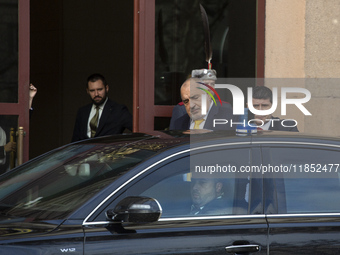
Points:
x=279 y=193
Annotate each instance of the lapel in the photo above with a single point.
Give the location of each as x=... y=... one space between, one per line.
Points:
x=105 y=115
x=210 y=118
x=85 y=119
x=186 y=123
x=183 y=122
x=276 y=125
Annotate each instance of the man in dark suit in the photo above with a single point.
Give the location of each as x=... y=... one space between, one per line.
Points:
x=206 y=76
x=177 y=112
x=103 y=116
x=192 y=91
x=207 y=197
x=262 y=100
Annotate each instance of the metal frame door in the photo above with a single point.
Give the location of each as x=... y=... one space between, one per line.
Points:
x=20 y=108
x=144 y=108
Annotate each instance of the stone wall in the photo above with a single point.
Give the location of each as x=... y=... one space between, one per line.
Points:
x=302 y=39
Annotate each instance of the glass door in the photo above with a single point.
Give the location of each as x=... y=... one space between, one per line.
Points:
x=169 y=43
x=14 y=82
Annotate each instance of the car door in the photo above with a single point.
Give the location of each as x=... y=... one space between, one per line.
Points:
x=239 y=228
x=303 y=202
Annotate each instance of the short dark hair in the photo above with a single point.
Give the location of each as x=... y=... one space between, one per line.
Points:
x=95 y=77
x=262 y=92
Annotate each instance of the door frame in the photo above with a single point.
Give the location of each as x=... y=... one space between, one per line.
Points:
x=21 y=108
x=144 y=108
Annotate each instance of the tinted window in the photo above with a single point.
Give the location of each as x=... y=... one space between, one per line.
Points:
x=311 y=195
x=174 y=195
x=313 y=185
x=184 y=193
x=56 y=184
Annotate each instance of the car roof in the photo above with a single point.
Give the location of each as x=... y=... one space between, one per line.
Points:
x=171 y=138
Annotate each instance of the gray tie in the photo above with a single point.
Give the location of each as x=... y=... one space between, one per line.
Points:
x=94 y=122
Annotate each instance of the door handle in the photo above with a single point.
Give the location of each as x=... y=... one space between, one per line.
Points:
x=242 y=249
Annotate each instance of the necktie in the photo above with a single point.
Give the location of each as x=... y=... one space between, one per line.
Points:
x=197 y=123
x=94 y=122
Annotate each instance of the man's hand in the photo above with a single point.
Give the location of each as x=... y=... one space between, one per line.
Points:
x=11 y=146
x=33 y=91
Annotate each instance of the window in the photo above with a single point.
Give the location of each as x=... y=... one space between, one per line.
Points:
x=312 y=195
x=182 y=193
x=53 y=186
x=313 y=186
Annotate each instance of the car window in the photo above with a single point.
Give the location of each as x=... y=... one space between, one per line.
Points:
x=311 y=195
x=174 y=195
x=183 y=193
x=314 y=185
x=56 y=184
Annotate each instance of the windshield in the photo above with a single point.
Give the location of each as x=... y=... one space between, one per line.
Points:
x=54 y=185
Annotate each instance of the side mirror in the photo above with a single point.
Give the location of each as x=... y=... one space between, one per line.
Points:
x=136 y=209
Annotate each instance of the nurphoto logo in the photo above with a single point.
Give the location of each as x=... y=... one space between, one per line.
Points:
x=238 y=101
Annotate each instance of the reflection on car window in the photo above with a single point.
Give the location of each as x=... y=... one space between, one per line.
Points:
x=55 y=185
x=311 y=195
x=184 y=193
x=314 y=187
x=172 y=193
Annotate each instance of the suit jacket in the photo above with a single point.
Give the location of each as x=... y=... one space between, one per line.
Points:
x=179 y=110
x=2 y=152
x=216 y=112
x=278 y=126
x=2 y=144
x=114 y=119
x=4 y=162
x=215 y=207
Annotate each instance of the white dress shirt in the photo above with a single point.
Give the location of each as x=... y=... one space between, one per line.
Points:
x=266 y=126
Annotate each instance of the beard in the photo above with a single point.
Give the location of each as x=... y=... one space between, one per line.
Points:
x=96 y=100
